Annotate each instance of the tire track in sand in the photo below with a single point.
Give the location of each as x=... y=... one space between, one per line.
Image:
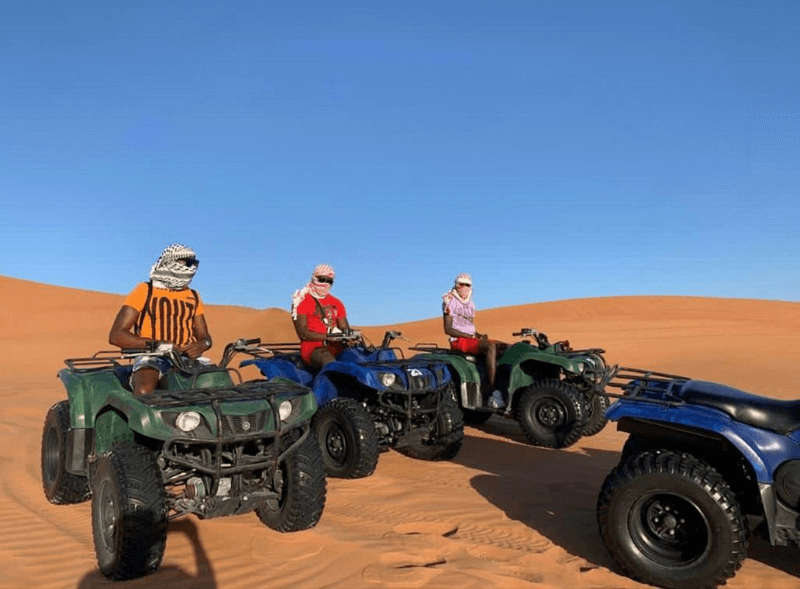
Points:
x=50 y=545
x=361 y=516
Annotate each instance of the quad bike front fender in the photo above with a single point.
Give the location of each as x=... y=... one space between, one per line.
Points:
x=522 y=352
x=93 y=394
x=280 y=368
x=762 y=449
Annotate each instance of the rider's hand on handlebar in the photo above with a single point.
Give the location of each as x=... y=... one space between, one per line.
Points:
x=194 y=350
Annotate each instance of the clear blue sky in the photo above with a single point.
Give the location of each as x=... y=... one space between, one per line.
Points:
x=555 y=150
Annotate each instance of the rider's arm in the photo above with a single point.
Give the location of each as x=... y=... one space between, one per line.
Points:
x=452 y=331
x=306 y=335
x=202 y=340
x=121 y=334
x=342 y=323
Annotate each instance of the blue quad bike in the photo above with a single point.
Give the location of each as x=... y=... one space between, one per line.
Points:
x=371 y=399
x=700 y=457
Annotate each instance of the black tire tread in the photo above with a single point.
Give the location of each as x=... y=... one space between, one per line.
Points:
x=576 y=400
x=690 y=469
x=306 y=488
x=143 y=511
x=596 y=420
x=67 y=488
x=367 y=446
x=447 y=446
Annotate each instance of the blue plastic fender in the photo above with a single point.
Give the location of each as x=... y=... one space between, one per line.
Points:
x=763 y=449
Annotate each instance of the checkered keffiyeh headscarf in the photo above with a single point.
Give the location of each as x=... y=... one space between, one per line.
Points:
x=462 y=293
x=167 y=273
x=317 y=290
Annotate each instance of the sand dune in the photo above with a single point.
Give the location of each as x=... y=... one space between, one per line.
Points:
x=502 y=514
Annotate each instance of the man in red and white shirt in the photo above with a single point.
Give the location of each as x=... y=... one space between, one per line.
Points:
x=316 y=313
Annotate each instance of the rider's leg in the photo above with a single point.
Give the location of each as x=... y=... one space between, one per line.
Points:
x=487 y=347
x=144 y=381
x=320 y=357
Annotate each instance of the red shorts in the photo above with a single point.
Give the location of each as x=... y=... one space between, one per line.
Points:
x=307 y=348
x=468 y=345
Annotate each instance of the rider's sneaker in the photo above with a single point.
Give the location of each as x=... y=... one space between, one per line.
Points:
x=496 y=401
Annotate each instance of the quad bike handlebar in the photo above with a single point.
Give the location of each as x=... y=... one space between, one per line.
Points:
x=163 y=350
x=541 y=338
x=248 y=346
x=525 y=332
x=189 y=365
x=392 y=335
x=348 y=337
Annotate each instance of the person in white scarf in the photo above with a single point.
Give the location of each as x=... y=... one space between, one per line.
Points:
x=315 y=314
x=175 y=267
x=164 y=310
x=458 y=311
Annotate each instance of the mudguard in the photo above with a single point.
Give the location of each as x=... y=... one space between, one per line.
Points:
x=280 y=368
x=527 y=364
x=764 y=450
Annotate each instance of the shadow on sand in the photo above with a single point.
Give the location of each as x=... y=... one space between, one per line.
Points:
x=555 y=493
x=551 y=491
x=169 y=576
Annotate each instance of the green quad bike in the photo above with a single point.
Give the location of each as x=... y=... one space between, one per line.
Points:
x=200 y=445
x=557 y=394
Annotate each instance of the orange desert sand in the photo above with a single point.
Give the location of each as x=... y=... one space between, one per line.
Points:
x=502 y=514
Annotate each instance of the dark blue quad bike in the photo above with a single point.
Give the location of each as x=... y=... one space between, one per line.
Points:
x=371 y=399
x=700 y=457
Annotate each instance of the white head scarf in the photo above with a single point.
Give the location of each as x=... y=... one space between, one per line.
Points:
x=462 y=293
x=318 y=290
x=168 y=273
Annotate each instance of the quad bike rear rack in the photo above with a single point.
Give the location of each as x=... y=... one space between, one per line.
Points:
x=100 y=360
x=650 y=386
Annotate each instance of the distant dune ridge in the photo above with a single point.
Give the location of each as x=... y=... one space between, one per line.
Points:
x=502 y=514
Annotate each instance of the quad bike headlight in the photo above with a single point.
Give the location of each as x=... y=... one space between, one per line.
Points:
x=188 y=421
x=388 y=379
x=285 y=410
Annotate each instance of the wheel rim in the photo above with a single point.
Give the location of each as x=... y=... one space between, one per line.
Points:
x=108 y=515
x=51 y=456
x=549 y=413
x=336 y=446
x=669 y=529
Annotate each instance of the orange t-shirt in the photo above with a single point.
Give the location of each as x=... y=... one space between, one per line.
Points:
x=170 y=314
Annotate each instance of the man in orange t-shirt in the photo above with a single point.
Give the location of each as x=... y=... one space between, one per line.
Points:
x=165 y=310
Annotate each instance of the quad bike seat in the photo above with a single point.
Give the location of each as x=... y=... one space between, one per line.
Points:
x=774 y=415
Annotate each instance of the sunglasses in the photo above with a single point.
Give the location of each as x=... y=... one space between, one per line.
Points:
x=323 y=279
x=463 y=284
x=190 y=262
